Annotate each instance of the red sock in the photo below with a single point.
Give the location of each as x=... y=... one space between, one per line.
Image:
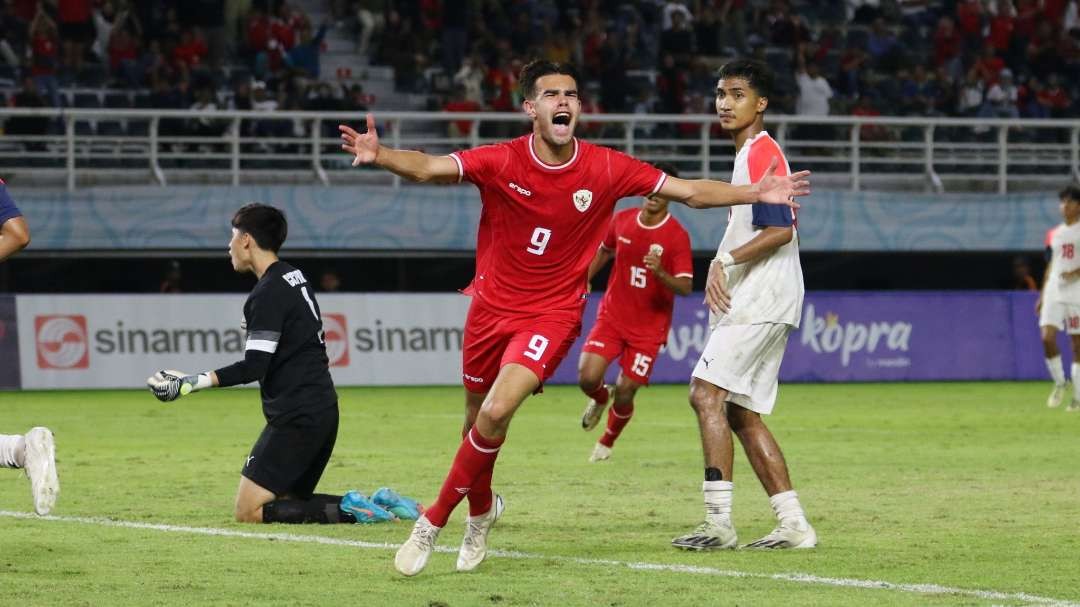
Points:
x=617 y=417
x=480 y=495
x=475 y=456
x=600 y=394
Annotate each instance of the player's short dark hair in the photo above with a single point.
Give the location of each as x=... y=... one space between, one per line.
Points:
x=266 y=224
x=758 y=75
x=1070 y=192
x=668 y=168
x=537 y=69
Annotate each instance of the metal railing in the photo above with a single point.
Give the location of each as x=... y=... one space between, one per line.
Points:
x=83 y=147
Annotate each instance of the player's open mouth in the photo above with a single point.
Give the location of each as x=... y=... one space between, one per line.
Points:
x=560 y=123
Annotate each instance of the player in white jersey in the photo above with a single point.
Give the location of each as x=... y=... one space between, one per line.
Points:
x=1058 y=306
x=755 y=295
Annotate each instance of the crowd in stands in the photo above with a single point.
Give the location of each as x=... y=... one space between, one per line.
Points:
x=987 y=58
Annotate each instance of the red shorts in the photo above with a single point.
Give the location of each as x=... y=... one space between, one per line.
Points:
x=494 y=339
x=637 y=356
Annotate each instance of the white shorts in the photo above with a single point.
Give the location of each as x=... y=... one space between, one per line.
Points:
x=745 y=361
x=1060 y=315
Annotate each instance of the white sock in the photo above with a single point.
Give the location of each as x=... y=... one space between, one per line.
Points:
x=787 y=507
x=718 y=501
x=1053 y=365
x=12 y=450
x=1075 y=370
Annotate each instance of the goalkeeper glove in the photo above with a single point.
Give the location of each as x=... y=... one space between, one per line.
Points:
x=168 y=385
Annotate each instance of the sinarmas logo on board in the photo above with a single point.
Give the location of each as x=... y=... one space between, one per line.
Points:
x=61 y=342
x=336 y=336
x=828 y=335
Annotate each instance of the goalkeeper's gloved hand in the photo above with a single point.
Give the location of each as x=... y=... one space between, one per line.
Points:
x=168 y=385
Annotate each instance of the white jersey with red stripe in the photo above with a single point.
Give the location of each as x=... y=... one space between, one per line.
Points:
x=769 y=289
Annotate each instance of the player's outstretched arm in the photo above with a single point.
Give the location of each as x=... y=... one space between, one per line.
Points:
x=412 y=165
x=707 y=193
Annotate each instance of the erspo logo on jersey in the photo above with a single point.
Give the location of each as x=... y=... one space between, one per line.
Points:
x=337 y=339
x=61 y=342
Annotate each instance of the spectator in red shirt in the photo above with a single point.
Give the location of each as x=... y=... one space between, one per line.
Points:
x=43 y=47
x=459 y=103
x=969 y=18
x=191 y=51
x=75 y=18
x=948 y=42
x=1001 y=27
x=1054 y=98
x=989 y=65
x=123 y=56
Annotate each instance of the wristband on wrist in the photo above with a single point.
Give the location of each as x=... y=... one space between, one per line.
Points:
x=724 y=258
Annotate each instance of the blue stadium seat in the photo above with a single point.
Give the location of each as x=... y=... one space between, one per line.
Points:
x=86 y=100
x=117 y=99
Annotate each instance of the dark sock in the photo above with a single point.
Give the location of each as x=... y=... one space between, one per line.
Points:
x=321 y=508
x=713 y=474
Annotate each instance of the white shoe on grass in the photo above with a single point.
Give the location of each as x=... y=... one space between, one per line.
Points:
x=788 y=534
x=600 y=453
x=413 y=555
x=40 y=467
x=593 y=411
x=1073 y=407
x=474 y=545
x=708 y=536
x=1057 y=395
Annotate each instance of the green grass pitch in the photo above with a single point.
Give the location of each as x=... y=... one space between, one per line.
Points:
x=966 y=486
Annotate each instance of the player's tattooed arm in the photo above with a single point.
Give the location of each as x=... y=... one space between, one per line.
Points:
x=706 y=193
x=414 y=166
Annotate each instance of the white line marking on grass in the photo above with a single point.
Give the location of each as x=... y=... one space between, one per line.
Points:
x=801 y=578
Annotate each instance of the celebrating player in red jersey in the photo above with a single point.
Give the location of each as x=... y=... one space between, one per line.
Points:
x=653 y=262
x=547 y=198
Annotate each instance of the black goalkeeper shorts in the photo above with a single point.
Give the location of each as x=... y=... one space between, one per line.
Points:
x=289 y=459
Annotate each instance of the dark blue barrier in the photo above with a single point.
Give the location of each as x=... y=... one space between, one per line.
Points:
x=9 y=344
x=876 y=336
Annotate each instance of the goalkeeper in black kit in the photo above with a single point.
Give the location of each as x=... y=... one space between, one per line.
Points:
x=285 y=352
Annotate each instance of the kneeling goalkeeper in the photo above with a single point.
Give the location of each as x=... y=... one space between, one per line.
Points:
x=285 y=352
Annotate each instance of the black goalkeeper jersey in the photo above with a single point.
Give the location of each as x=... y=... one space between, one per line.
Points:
x=285 y=347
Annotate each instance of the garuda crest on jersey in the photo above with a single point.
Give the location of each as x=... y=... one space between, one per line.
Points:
x=582 y=200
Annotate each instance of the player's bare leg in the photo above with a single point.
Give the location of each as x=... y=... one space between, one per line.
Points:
x=250 y=499
x=476 y=456
x=1074 y=406
x=717 y=532
x=1060 y=391
x=622 y=410
x=35 y=453
x=765 y=457
x=591 y=369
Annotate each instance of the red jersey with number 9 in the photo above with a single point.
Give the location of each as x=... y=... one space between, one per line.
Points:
x=540 y=224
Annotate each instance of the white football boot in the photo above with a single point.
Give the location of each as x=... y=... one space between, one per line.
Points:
x=593 y=411
x=790 y=533
x=600 y=453
x=40 y=467
x=1057 y=395
x=708 y=536
x=1073 y=407
x=413 y=555
x=474 y=546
